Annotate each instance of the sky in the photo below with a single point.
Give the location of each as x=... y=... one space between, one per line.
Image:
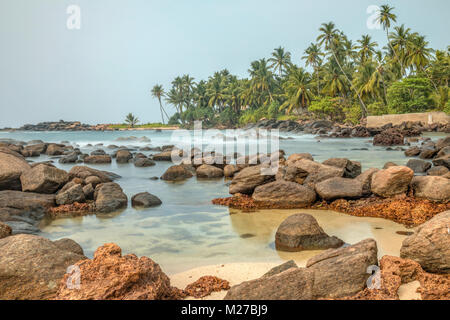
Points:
x=106 y=68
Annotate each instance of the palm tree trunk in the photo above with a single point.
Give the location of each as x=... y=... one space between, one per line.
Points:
x=160 y=109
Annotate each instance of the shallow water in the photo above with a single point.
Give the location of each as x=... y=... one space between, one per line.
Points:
x=187 y=231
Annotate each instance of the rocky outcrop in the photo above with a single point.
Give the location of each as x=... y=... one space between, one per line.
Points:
x=11 y=168
x=177 y=173
x=145 y=200
x=43 y=179
x=334 y=274
x=109 y=197
x=284 y=194
x=352 y=169
x=430 y=245
x=71 y=195
x=31 y=267
x=302 y=232
x=111 y=276
x=432 y=188
x=249 y=178
x=339 y=188
x=207 y=171
x=392 y=181
x=389 y=137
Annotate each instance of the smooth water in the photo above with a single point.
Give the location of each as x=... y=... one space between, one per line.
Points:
x=187 y=231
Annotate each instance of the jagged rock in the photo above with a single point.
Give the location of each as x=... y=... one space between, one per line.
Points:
x=352 y=169
x=111 y=276
x=109 y=197
x=432 y=188
x=208 y=171
x=43 y=179
x=11 y=168
x=365 y=179
x=31 y=267
x=389 y=137
x=418 y=166
x=145 y=200
x=177 y=173
x=392 y=181
x=302 y=232
x=284 y=194
x=73 y=194
x=249 y=178
x=430 y=245
x=339 y=188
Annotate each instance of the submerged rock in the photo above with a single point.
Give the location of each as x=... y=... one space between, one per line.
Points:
x=302 y=232
x=109 y=197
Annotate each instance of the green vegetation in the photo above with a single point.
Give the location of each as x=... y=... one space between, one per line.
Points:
x=142 y=126
x=341 y=80
x=131 y=120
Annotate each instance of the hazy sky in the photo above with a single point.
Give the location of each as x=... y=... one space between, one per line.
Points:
x=104 y=70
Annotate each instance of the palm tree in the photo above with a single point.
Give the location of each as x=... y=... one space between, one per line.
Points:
x=332 y=38
x=280 y=60
x=262 y=80
x=313 y=58
x=131 y=120
x=297 y=90
x=366 y=48
x=385 y=17
x=399 y=43
x=158 y=92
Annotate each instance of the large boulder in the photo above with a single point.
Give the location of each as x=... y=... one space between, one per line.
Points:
x=111 y=276
x=43 y=179
x=70 y=158
x=123 y=156
x=302 y=232
x=316 y=172
x=430 y=245
x=54 y=150
x=11 y=168
x=365 y=179
x=31 y=267
x=284 y=194
x=249 y=178
x=432 y=188
x=230 y=170
x=177 y=173
x=392 y=181
x=389 y=137
x=339 y=188
x=418 y=166
x=109 y=197
x=84 y=172
x=145 y=200
x=71 y=195
x=208 y=172
x=333 y=274
x=352 y=169
x=438 y=171
x=443 y=143
x=412 y=152
x=442 y=161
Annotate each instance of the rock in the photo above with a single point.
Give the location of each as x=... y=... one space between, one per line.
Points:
x=389 y=164
x=35 y=149
x=281 y=268
x=143 y=163
x=438 y=171
x=123 y=156
x=432 y=188
x=412 y=152
x=208 y=171
x=442 y=161
x=339 y=188
x=88 y=191
x=334 y=274
x=299 y=156
x=443 y=152
x=365 y=179
x=84 y=172
x=70 y=158
x=317 y=172
x=11 y=168
x=145 y=200
x=302 y=232
x=43 y=179
x=25 y=200
x=74 y=194
x=100 y=159
x=98 y=152
x=230 y=170
x=389 y=137
x=418 y=166
x=94 y=180
x=249 y=178
x=430 y=245
x=111 y=276
x=352 y=169
x=31 y=267
x=392 y=181
x=109 y=197
x=166 y=155
x=284 y=194
x=5 y=230
x=428 y=153
x=177 y=173
x=67 y=244
x=443 y=143
x=54 y=150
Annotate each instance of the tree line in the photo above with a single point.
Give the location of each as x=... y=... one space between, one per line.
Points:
x=346 y=81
